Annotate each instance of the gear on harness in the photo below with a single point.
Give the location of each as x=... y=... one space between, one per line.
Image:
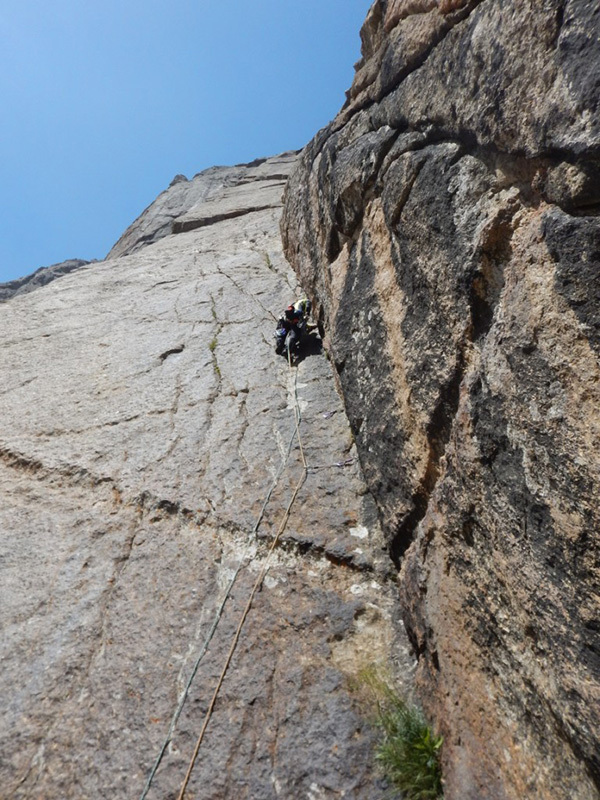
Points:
x=291 y=327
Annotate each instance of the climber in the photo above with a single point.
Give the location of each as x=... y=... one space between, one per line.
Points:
x=304 y=306
x=291 y=326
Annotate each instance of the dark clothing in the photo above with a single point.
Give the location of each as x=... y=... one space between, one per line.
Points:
x=290 y=329
x=291 y=326
x=288 y=324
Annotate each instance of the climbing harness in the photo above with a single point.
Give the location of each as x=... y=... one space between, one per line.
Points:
x=255 y=589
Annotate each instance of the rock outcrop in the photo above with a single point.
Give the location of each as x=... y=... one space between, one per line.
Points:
x=215 y=194
x=40 y=277
x=445 y=225
x=148 y=454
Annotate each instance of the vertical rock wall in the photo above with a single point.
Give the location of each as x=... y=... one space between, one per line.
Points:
x=148 y=454
x=445 y=224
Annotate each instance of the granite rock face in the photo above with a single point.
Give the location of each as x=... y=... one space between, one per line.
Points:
x=445 y=225
x=40 y=277
x=148 y=453
x=217 y=191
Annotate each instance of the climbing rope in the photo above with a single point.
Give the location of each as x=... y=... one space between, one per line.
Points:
x=214 y=625
x=255 y=588
x=295 y=435
x=188 y=685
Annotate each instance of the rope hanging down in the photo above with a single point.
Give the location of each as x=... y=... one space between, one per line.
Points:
x=255 y=588
x=213 y=627
x=188 y=685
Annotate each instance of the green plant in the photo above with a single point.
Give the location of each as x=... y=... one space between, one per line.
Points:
x=408 y=753
x=212 y=346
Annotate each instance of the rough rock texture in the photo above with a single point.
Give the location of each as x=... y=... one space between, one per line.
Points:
x=217 y=186
x=40 y=277
x=445 y=224
x=146 y=423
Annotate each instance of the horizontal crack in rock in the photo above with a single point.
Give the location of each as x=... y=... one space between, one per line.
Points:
x=183 y=226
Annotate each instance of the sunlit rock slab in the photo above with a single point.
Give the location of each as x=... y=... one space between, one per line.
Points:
x=146 y=424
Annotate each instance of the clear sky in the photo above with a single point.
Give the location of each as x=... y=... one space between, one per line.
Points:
x=105 y=101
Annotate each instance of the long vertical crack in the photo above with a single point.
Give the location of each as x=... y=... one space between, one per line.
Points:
x=495 y=251
x=438 y=434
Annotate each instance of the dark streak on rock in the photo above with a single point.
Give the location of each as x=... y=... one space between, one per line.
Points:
x=173 y=351
x=438 y=434
x=574 y=244
x=77 y=475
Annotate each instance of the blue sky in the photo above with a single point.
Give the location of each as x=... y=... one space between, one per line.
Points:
x=103 y=103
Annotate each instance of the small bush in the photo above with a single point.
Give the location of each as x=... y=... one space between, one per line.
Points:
x=408 y=752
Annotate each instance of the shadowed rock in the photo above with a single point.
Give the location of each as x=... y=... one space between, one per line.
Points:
x=445 y=225
x=40 y=277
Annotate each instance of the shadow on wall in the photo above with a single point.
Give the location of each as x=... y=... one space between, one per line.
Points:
x=312 y=345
